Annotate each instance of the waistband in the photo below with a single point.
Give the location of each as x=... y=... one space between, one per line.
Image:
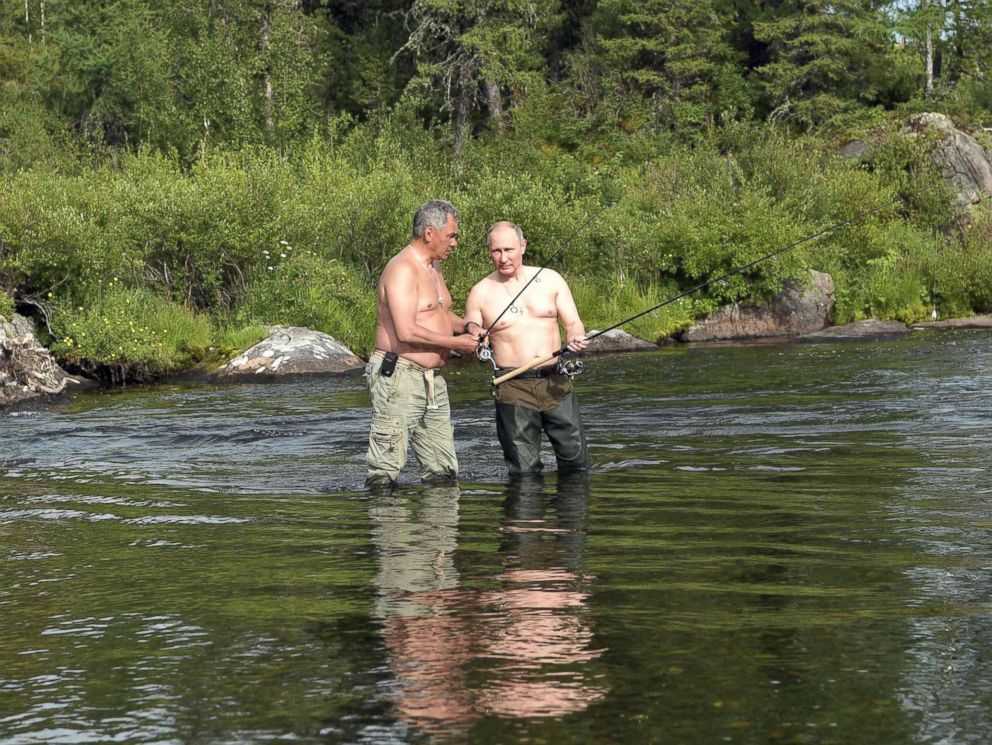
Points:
x=537 y=372
x=378 y=354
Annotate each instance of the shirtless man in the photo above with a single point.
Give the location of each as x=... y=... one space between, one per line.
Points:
x=415 y=332
x=541 y=398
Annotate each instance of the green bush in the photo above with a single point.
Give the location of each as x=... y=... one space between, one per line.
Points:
x=6 y=305
x=962 y=269
x=302 y=289
x=604 y=305
x=231 y=341
x=132 y=328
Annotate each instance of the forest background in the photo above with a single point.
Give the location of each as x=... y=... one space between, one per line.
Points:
x=175 y=176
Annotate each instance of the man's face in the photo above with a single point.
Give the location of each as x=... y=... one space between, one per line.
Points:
x=506 y=251
x=442 y=242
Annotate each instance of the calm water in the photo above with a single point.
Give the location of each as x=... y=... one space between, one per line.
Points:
x=778 y=544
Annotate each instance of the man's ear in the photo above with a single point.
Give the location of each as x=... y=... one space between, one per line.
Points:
x=523 y=246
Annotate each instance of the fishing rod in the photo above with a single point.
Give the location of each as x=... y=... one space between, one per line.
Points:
x=737 y=270
x=561 y=248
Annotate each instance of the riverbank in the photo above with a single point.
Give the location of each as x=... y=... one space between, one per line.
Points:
x=146 y=268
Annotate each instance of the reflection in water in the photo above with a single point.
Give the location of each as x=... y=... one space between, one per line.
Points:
x=517 y=647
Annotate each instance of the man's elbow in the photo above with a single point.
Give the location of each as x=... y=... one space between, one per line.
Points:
x=405 y=336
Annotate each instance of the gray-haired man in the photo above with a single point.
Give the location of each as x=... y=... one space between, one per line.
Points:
x=415 y=332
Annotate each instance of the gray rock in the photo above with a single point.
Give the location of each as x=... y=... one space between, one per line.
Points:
x=794 y=311
x=854 y=149
x=290 y=350
x=869 y=329
x=618 y=340
x=27 y=369
x=966 y=164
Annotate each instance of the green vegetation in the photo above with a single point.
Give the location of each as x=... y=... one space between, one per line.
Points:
x=175 y=179
x=6 y=305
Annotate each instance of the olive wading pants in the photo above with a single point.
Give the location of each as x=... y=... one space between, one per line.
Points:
x=410 y=407
x=533 y=402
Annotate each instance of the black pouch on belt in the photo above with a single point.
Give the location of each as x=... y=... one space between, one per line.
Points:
x=388 y=364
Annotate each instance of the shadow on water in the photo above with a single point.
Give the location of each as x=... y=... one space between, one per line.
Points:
x=777 y=544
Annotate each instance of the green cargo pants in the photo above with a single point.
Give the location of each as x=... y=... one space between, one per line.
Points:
x=410 y=407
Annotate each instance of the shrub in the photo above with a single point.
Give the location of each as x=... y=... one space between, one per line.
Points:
x=303 y=289
x=6 y=305
x=140 y=334
x=962 y=269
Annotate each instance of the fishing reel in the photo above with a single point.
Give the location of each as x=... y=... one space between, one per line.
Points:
x=570 y=366
x=485 y=354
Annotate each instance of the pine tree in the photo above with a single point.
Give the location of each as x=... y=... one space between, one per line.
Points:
x=474 y=55
x=825 y=57
x=670 y=57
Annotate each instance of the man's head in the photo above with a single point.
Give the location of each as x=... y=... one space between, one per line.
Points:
x=506 y=247
x=435 y=224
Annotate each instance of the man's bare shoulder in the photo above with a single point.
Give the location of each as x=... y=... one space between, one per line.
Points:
x=485 y=283
x=400 y=266
x=550 y=275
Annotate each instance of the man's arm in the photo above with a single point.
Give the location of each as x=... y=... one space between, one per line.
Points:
x=457 y=322
x=473 y=311
x=568 y=315
x=401 y=288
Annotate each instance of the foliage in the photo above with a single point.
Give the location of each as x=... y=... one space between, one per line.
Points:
x=962 y=271
x=6 y=305
x=230 y=341
x=130 y=327
x=302 y=289
x=671 y=60
x=606 y=303
x=825 y=59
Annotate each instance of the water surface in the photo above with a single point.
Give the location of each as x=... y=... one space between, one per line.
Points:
x=777 y=544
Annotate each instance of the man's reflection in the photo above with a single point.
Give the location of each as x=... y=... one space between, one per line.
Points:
x=459 y=654
x=543 y=632
x=427 y=640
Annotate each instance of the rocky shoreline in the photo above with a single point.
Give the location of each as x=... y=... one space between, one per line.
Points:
x=797 y=315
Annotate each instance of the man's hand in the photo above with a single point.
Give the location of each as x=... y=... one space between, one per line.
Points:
x=577 y=343
x=465 y=343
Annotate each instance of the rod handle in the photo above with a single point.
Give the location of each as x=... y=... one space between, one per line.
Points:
x=524 y=368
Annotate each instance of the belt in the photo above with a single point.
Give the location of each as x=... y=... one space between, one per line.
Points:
x=537 y=372
x=404 y=362
x=428 y=373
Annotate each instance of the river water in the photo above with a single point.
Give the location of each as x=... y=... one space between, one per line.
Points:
x=777 y=544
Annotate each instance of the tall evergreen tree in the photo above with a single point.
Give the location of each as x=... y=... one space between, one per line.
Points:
x=672 y=57
x=478 y=54
x=826 y=57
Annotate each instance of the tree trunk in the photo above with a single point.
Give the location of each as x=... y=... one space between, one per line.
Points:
x=494 y=103
x=928 y=63
x=462 y=104
x=266 y=47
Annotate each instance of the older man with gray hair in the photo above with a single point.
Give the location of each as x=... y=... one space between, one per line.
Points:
x=415 y=332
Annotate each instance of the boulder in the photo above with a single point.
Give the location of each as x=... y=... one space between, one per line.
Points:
x=966 y=164
x=869 y=329
x=617 y=340
x=27 y=369
x=795 y=311
x=288 y=351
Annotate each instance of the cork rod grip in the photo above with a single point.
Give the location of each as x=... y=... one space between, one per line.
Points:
x=537 y=361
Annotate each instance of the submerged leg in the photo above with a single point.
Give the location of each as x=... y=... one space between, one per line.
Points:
x=564 y=427
x=519 y=431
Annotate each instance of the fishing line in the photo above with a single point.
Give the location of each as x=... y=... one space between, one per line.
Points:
x=737 y=270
